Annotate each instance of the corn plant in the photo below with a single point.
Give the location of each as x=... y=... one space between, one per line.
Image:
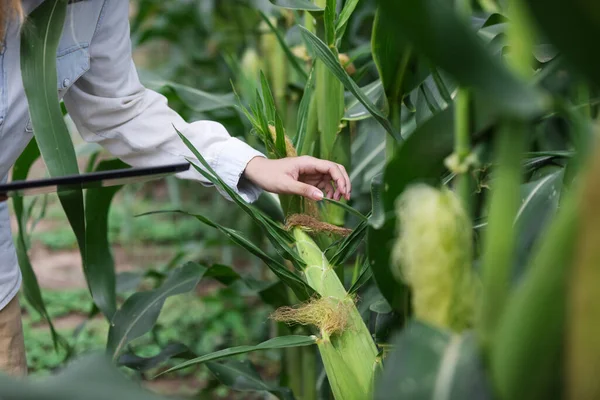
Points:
x=479 y=237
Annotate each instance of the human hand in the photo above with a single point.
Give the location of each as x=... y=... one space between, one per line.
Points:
x=305 y=176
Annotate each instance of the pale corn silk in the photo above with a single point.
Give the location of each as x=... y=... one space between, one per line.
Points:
x=109 y=106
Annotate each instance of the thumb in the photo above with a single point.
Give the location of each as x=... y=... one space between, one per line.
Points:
x=303 y=189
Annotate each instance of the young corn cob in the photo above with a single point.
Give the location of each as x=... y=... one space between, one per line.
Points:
x=346 y=346
x=433 y=254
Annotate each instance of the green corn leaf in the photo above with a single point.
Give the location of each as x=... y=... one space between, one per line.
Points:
x=572 y=27
x=39 y=42
x=288 y=52
x=280 y=137
x=329 y=20
x=274 y=294
x=100 y=268
x=268 y=99
x=140 y=312
x=430 y=364
x=300 y=5
x=349 y=245
x=303 y=114
x=329 y=59
x=342 y=22
x=93 y=377
x=363 y=277
x=347 y=208
x=298 y=286
x=280 y=342
x=435 y=31
x=392 y=55
x=242 y=376
x=539 y=202
x=356 y=111
x=143 y=364
x=278 y=236
x=263 y=123
x=222 y=273
x=31 y=287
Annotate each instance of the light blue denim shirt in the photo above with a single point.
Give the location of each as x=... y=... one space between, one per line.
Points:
x=98 y=82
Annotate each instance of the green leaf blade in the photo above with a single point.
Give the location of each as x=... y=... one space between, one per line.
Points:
x=281 y=342
x=140 y=312
x=435 y=31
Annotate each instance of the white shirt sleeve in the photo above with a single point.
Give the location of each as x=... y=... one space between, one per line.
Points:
x=110 y=106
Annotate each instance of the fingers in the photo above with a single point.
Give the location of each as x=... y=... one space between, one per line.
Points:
x=348 y=184
x=338 y=174
x=326 y=187
x=291 y=186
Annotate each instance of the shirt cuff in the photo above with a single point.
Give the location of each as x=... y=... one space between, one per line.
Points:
x=230 y=162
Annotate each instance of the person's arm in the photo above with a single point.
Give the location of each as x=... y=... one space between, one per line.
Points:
x=111 y=107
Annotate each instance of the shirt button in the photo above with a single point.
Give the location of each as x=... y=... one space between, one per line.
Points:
x=66 y=82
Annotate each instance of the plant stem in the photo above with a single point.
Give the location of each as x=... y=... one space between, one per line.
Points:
x=462 y=134
x=498 y=257
x=294 y=369
x=462 y=145
x=309 y=373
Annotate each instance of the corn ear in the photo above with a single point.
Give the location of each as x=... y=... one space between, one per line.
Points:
x=349 y=356
x=341 y=377
x=433 y=254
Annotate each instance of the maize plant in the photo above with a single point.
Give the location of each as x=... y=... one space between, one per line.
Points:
x=470 y=132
